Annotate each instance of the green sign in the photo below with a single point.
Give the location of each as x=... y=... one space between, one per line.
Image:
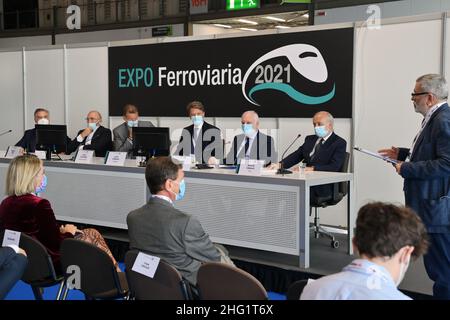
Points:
x=242 y=4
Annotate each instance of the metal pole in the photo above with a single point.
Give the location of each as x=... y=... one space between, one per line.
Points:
x=55 y=24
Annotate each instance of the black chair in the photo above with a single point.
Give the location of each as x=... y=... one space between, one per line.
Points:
x=295 y=289
x=99 y=278
x=167 y=283
x=340 y=190
x=220 y=281
x=40 y=272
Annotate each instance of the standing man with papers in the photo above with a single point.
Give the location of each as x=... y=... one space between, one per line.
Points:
x=425 y=168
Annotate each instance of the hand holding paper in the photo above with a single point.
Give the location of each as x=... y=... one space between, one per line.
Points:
x=380 y=155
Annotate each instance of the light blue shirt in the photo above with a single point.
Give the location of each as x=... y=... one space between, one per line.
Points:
x=360 y=280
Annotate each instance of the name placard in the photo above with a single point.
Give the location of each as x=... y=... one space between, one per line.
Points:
x=186 y=161
x=251 y=167
x=146 y=264
x=11 y=237
x=13 y=151
x=115 y=158
x=85 y=156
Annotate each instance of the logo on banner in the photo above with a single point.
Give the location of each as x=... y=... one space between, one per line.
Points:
x=303 y=58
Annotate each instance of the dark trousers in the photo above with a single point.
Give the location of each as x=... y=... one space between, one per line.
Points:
x=437 y=264
x=11 y=270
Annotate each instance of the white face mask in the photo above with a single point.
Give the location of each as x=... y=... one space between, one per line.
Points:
x=43 y=121
x=403 y=269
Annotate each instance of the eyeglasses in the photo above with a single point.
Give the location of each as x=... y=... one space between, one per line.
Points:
x=89 y=119
x=413 y=94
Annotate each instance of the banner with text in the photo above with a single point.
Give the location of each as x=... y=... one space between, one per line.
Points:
x=283 y=75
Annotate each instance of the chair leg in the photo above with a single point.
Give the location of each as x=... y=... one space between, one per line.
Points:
x=37 y=293
x=316 y=224
x=61 y=290
x=66 y=292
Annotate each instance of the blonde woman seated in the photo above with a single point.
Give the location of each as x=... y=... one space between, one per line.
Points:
x=25 y=211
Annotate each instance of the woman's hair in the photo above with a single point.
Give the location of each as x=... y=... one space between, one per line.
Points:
x=21 y=174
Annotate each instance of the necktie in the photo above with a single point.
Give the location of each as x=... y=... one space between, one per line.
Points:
x=317 y=148
x=247 y=144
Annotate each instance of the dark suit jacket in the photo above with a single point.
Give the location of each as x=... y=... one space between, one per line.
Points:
x=330 y=157
x=12 y=266
x=158 y=228
x=28 y=141
x=263 y=148
x=121 y=141
x=427 y=175
x=101 y=142
x=209 y=139
x=33 y=216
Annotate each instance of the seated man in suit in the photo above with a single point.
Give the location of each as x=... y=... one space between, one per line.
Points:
x=28 y=141
x=123 y=139
x=159 y=229
x=93 y=137
x=324 y=151
x=200 y=138
x=13 y=262
x=252 y=144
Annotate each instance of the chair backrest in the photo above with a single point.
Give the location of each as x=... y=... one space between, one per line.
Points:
x=343 y=186
x=167 y=283
x=220 y=281
x=40 y=266
x=295 y=289
x=99 y=278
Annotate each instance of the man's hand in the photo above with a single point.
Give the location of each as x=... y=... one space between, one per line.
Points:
x=398 y=166
x=68 y=228
x=22 y=252
x=274 y=166
x=212 y=161
x=86 y=132
x=130 y=133
x=390 y=153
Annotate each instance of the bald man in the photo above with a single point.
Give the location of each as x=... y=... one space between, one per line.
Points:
x=323 y=151
x=93 y=137
x=252 y=144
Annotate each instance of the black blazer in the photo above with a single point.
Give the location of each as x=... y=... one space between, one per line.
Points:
x=101 y=142
x=263 y=148
x=211 y=141
x=330 y=156
x=28 y=141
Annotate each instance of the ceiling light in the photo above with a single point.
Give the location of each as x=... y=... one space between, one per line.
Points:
x=275 y=19
x=248 y=29
x=222 y=25
x=247 y=21
x=282 y=27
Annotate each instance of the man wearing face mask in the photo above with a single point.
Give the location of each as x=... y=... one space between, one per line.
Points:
x=28 y=141
x=425 y=167
x=123 y=138
x=200 y=139
x=386 y=238
x=159 y=229
x=252 y=144
x=323 y=151
x=93 y=137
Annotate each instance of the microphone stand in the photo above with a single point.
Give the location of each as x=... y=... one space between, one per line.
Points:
x=282 y=170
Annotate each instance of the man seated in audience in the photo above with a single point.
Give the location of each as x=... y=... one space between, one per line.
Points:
x=13 y=262
x=323 y=151
x=159 y=229
x=123 y=138
x=200 y=139
x=93 y=137
x=386 y=237
x=28 y=141
x=251 y=144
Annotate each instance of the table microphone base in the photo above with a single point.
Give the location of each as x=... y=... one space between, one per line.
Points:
x=284 y=171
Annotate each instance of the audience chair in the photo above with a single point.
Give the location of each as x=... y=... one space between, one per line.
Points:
x=220 y=281
x=295 y=289
x=167 y=283
x=99 y=278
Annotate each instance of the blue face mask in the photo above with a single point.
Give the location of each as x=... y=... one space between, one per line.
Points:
x=197 y=120
x=132 y=123
x=321 y=131
x=248 y=129
x=180 y=194
x=92 y=125
x=43 y=185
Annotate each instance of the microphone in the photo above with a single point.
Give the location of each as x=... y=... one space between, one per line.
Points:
x=5 y=132
x=282 y=170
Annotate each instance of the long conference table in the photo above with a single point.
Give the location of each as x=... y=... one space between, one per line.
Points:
x=268 y=212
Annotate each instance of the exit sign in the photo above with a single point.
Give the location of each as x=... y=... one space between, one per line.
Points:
x=242 y=4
